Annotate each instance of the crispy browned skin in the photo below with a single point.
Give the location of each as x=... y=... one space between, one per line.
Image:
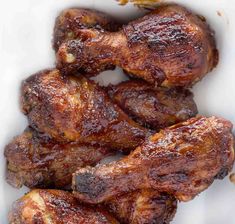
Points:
x=36 y=162
x=55 y=207
x=169 y=46
x=143 y=207
x=154 y=108
x=182 y=160
x=75 y=23
x=77 y=109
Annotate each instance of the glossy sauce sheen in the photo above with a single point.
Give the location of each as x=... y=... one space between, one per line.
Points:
x=182 y=160
x=155 y=108
x=170 y=46
x=76 y=109
x=35 y=161
x=55 y=207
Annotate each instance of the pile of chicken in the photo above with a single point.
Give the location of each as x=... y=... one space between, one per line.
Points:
x=170 y=154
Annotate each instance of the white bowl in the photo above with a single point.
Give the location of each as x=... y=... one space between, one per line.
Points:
x=25 y=47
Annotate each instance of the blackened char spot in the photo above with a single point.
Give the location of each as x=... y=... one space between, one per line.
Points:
x=222 y=173
x=90 y=185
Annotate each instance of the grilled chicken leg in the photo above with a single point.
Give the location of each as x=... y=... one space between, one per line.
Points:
x=34 y=161
x=60 y=207
x=154 y=108
x=170 y=46
x=182 y=160
x=76 y=109
x=55 y=207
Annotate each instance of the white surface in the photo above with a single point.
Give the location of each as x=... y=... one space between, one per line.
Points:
x=25 y=47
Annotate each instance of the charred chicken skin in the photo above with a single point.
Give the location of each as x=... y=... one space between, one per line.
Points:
x=143 y=207
x=55 y=207
x=76 y=23
x=76 y=109
x=155 y=108
x=182 y=160
x=170 y=46
x=42 y=163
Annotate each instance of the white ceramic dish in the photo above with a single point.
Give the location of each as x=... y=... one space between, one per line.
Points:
x=25 y=47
